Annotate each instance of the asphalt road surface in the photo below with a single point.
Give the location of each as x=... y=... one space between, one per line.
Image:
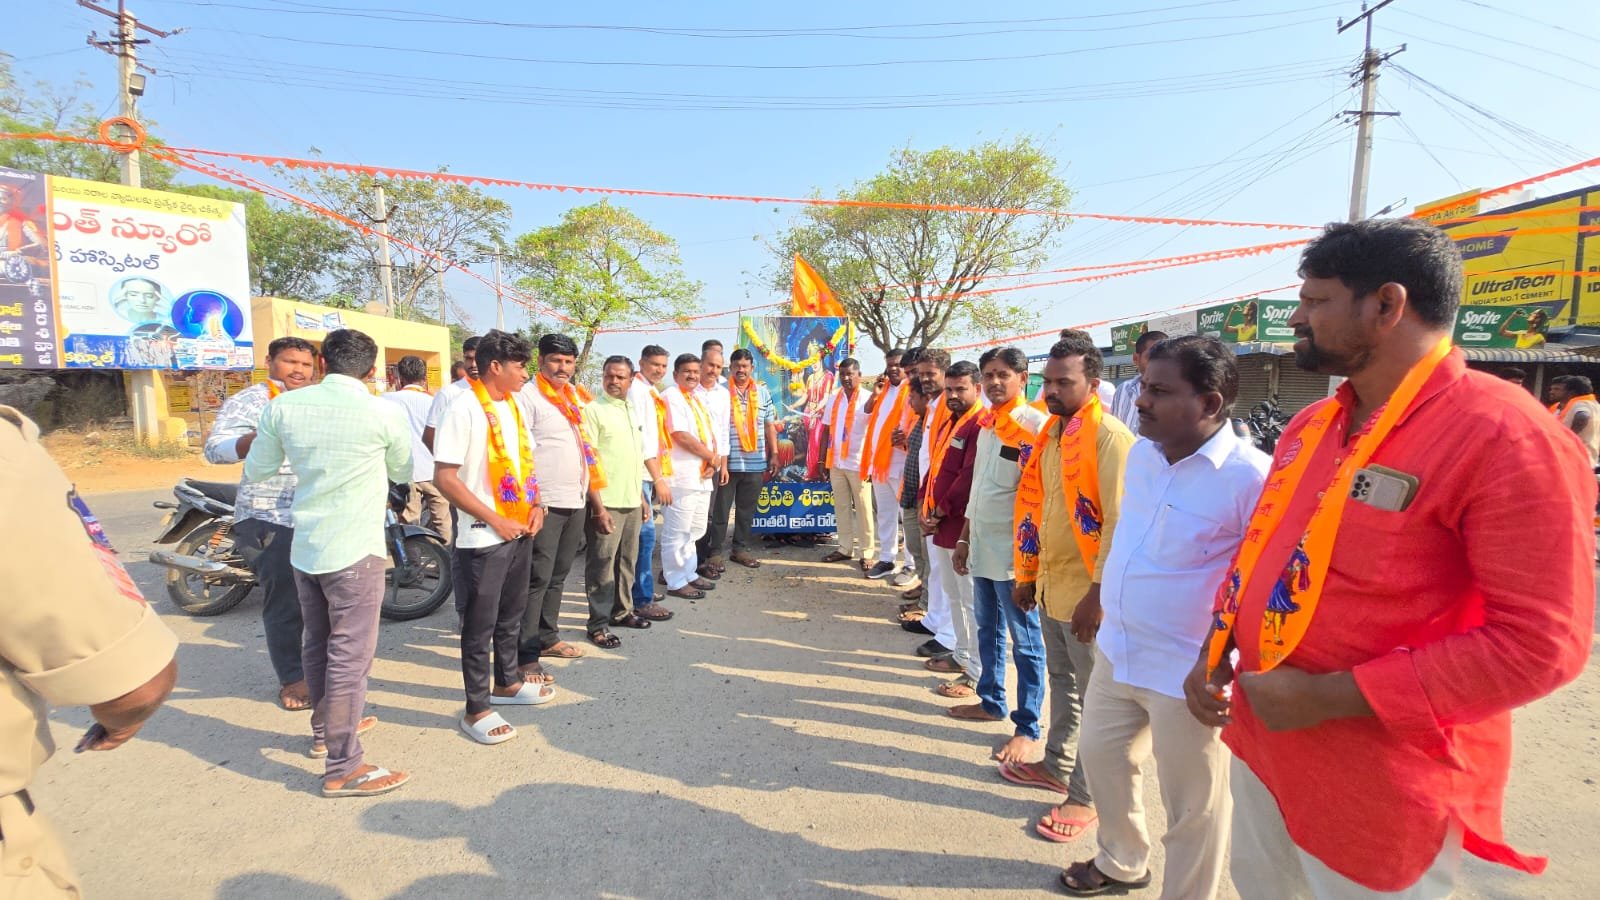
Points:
x=775 y=739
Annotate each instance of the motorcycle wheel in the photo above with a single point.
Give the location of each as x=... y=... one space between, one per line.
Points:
x=421 y=586
x=196 y=594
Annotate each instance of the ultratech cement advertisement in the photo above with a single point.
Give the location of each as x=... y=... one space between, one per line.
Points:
x=1519 y=263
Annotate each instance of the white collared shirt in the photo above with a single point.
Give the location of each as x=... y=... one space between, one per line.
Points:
x=719 y=403
x=1180 y=525
x=686 y=467
x=1122 y=400
x=642 y=397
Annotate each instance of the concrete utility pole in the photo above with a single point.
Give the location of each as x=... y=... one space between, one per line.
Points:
x=1371 y=60
x=386 y=270
x=146 y=394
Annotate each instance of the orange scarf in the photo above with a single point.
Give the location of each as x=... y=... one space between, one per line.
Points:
x=1011 y=432
x=514 y=497
x=663 y=428
x=1560 y=409
x=943 y=432
x=702 y=428
x=273 y=390
x=877 y=449
x=1300 y=583
x=418 y=388
x=1080 y=485
x=746 y=416
x=841 y=439
x=569 y=401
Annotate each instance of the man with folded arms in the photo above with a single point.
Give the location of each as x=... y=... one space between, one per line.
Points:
x=483 y=464
x=650 y=412
x=1384 y=632
x=882 y=460
x=697 y=450
x=1068 y=505
x=752 y=445
x=614 y=511
x=345 y=446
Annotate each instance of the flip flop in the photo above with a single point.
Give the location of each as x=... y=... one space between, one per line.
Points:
x=283 y=701
x=700 y=584
x=366 y=724
x=631 y=620
x=1027 y=776
x=972 y=712
x=956 y=689
x=536 y=673
x=835 y=556
x=605 y=640
x=479 y=730
x=355 y=787
x=1043 y=826
x=943 y=664
x=687 y=592
x=562 y=650
x=653 y=612
x=1108 y=885
x=749 y=562
x=530 y=694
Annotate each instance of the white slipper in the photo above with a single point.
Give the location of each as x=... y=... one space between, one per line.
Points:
x=479 y=730
x=532 y=694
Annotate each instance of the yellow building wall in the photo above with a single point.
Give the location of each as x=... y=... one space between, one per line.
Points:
x=274 y=317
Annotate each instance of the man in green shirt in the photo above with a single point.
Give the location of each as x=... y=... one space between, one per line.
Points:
x=615 y=512
x=345 y=446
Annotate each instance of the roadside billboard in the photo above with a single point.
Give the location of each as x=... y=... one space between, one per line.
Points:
x=149 y=279
x=1513 y=262
x=28 y=338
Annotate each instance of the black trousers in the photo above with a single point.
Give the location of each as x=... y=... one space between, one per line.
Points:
x=557 y=545
x=264 y=547
x=493 y=581
x=742 y=491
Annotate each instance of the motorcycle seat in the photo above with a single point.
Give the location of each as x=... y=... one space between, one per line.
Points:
x=222 y=492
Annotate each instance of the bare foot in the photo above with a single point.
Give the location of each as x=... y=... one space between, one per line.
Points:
x=295 y=697
x=503 y=729
x=1016 y=751
x=535 y=672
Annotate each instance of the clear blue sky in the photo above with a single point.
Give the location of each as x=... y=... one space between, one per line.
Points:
x=1219 y=109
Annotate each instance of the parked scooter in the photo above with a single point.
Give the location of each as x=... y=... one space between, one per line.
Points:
x=207 y=577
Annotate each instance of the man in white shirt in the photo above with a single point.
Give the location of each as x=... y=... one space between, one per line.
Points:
x=441 y=400
x=650 y=411
x=846 y=423
x=926 y=374
x=697 y=461
x=494 y=544
x=553 y=414
x=414 y=398
x=719 y=403
x=1189 y=490
x=882 y=462
x=1127 y=393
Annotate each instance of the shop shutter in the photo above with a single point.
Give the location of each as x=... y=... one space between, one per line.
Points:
x=1297 y=388
x=1255 y=385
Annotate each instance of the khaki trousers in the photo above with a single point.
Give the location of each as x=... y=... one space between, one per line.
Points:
x=1267 y=865
x=33 y=865
x=1122 y=725
x=425 y=496
x=852 y=510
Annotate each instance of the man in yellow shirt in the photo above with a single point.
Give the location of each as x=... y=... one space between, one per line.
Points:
x=1061 y=545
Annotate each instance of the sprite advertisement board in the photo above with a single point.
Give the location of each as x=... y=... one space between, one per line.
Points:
x=1232 y=323
x=1520 y=327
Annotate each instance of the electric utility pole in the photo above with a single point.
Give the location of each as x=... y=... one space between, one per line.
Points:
x=146 y=394
x=386 y=269
x=1371 y=60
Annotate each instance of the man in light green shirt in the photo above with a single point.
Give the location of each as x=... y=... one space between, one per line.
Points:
x=345 y=445
x=615 y=512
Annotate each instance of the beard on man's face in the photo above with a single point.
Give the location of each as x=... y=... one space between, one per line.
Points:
x=1313 y=358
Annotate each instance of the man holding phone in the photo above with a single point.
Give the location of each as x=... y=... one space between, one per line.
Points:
x=74 y=631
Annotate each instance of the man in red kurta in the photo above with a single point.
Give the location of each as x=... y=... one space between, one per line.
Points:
x=1383 y=628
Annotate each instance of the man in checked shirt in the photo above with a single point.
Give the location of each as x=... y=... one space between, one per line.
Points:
x=263 y=525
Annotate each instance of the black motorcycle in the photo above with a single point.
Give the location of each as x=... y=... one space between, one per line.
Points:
x=207 y=577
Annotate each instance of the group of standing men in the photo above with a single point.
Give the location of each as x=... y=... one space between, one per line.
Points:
x=522 y=472
x=1320 y=650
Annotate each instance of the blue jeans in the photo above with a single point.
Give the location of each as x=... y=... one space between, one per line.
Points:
x=644 y=577
x=992 y=602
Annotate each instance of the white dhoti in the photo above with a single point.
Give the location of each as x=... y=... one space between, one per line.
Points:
x=682 y=523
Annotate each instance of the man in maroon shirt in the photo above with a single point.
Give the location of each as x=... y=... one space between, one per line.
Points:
x=1383 y=631
x=953 y=448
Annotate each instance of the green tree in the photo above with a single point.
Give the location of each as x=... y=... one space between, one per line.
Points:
x=65 y=110
x=903 y=274
x=449 y=220
x=603 y=267
x=293 y=254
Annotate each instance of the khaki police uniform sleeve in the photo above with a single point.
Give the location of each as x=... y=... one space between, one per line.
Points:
x=75 y=632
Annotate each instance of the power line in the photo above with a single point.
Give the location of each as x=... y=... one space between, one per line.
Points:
x=1406 y=127
x=1053 y=54
x=1522 y=16
x=1486 y=55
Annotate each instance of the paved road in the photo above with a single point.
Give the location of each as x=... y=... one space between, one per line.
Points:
x=777 y=739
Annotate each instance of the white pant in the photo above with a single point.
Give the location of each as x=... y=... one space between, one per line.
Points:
x=1122 y=724
x=886 y=503
x=682 y=523
x=852 y=513
x=938 y=618
x=963 y=615
x=1267 y=865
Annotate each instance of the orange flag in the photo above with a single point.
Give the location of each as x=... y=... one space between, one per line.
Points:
x=811 y=295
